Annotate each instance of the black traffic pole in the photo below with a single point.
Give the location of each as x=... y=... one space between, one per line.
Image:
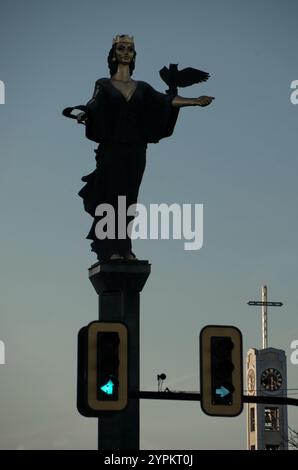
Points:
x=196 y=396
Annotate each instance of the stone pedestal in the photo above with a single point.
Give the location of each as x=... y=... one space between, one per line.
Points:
x=118 y=285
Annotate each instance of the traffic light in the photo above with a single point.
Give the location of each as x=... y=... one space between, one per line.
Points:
x=221 y=370
x=102 y=368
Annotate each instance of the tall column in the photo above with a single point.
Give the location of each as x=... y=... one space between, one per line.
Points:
x=118 y=285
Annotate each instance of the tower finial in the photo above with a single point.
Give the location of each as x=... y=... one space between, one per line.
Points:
x=264 y=318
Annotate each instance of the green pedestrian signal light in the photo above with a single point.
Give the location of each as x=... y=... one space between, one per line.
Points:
x=221 y=370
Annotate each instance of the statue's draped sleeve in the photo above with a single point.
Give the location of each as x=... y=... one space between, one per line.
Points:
x=159 y=116
x=155 y=114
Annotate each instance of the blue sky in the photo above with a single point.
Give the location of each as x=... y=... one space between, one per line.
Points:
x=238 y=157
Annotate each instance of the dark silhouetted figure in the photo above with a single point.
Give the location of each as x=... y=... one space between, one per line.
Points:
x=123 y=116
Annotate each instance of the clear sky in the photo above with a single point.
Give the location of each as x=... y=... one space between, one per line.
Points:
x=238 y=157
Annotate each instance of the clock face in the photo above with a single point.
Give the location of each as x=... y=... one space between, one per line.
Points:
x=271 y=379
x=251 y=380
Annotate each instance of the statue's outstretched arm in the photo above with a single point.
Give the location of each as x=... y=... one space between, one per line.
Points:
x=81 y=117
x=180 y=102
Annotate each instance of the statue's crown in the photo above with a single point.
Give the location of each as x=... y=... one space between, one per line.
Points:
x=123 y=38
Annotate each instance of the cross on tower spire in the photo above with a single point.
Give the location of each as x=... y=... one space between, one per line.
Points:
x=264 y=304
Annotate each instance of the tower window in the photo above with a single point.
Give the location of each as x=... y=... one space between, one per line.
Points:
x=252 y=419
x=272 y=419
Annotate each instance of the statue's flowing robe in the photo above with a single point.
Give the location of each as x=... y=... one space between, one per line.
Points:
x=123 y=129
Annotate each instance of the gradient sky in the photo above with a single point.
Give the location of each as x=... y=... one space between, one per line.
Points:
x=238 y=157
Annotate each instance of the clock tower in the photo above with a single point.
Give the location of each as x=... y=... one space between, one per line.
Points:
x=266 y=375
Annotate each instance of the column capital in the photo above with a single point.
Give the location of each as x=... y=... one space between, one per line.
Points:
x=119 y=276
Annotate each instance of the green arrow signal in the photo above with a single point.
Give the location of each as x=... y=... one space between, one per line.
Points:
x=222 y=391
x=108 y=388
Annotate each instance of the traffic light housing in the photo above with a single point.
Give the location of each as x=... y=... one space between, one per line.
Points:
x=221 y=370
x=102 y=368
